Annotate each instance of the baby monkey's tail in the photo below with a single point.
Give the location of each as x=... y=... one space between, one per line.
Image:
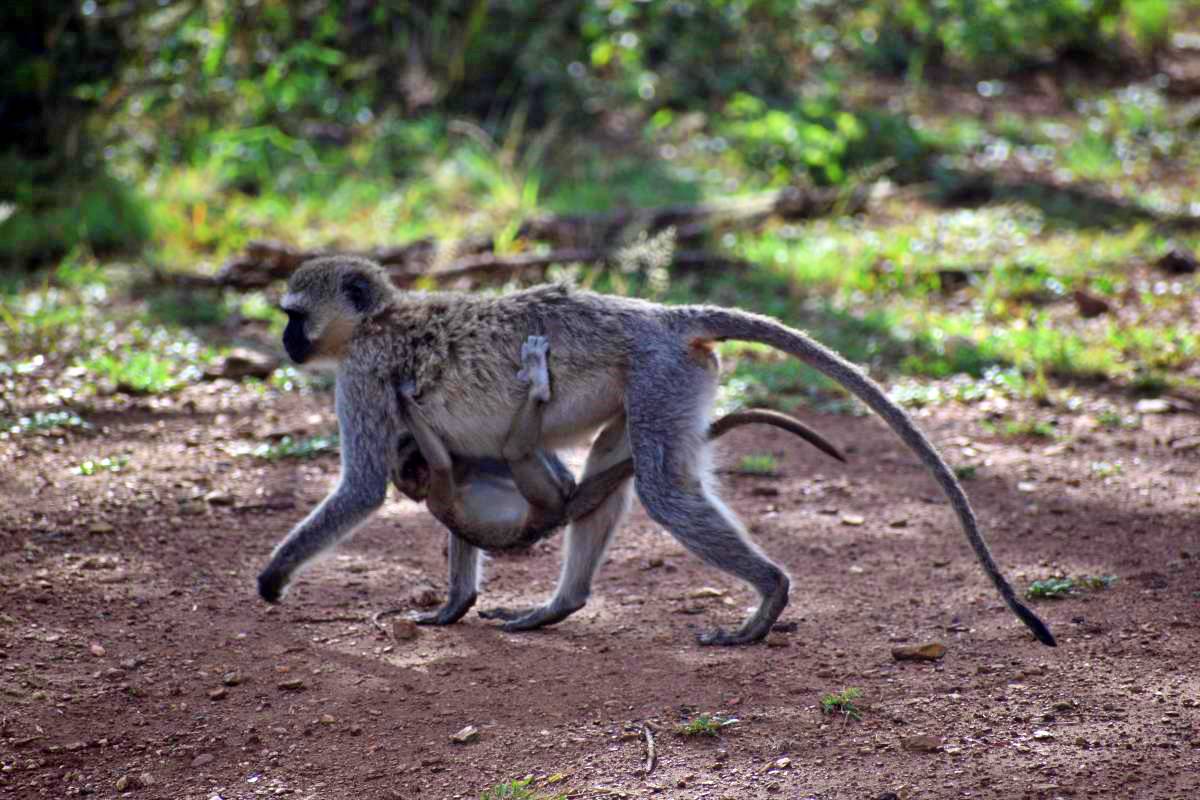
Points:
x=762 y=416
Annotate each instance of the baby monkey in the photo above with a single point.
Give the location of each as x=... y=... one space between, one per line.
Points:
x=493 y=504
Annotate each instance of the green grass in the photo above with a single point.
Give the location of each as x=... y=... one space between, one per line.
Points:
x=705 y=725
x=106 y=464
x=842 y=703
x=1055 y=588
x=517 y=790
x=759 y=464
x=287 y=447
x=42 y=421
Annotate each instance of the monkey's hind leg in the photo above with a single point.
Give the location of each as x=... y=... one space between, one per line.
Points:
x=464 y=588
x=667 y=431
x=464 y=585
x=587 y=540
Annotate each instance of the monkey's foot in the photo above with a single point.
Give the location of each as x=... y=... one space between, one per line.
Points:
x=452 y=612
x=534 y=370
x=719 y=637
x=530 y=619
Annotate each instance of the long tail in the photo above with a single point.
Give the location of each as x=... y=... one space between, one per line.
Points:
x=712 y=323
x=764 y=416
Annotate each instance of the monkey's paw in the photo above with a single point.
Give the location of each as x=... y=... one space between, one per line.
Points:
x=534 y=370
x=271 y=585
x=448 y=614
x=505 y=613
x=722 y=638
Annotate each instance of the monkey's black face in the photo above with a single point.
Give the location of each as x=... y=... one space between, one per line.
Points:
x=295 y=340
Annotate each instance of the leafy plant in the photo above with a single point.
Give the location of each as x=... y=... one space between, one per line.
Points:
x=842 y=703
x=44 y=421
x=1058 y=587
x=287 y=447
x=758 y=464
x=106 y=464
x=706 y=725
x=517 y=790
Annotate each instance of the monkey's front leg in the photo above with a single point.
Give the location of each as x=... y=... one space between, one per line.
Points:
x=368 y=435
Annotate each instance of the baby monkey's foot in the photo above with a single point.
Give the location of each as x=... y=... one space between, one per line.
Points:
x=534 y=370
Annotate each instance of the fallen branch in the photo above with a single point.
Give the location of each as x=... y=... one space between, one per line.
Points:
x=651 y=756
x=580 y=238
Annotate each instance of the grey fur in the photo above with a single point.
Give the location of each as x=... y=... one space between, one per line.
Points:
x=641 y=370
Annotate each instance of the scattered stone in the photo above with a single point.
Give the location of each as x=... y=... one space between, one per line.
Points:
x=777 y=640
x=853 y=519
x=1090 y=305
x=1186 y=443
x=241 y=363
x=127 y=782
x=855 y=569
x=706 y=591
x=231 y=678
x=1026 y=486
x=97 y=650
x=654 y=563
x=202 y=759
x=219 y=498
x=1042 y=733
x=921 y=744
x=218 y=694
x=292 y=685
x=101 y=528
x=765 y=491
x=1178 y=261
x=466 y=735
x=1152 y=405
x=930 y=651
x=898 y=523
x=327 y=719
x=404 y=630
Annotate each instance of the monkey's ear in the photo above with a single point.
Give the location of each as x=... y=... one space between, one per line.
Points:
x=359 y=291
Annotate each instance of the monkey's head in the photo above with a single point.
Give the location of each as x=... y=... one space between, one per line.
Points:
x=411 y=474
x=326 y=300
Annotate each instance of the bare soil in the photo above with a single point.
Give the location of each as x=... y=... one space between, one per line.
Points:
x=136 y=659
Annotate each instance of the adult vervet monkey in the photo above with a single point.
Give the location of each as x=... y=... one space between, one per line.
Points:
x=493 y=504
x=638 y=371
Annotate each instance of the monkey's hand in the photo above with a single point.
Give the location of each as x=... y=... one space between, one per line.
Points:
x=408 y=388
x=271 y=583
x=534 y=370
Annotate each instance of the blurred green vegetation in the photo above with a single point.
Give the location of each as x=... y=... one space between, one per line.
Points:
x=1018 y=154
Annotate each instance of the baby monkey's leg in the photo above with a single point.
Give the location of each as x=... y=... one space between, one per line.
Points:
x=464 y=585
x=545 y=489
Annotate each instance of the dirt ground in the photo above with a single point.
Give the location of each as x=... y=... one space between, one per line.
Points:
x=136 y=659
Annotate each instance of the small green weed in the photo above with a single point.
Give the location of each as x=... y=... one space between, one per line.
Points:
x=966 y=472
x=1022 y=428
x=287 y=447
x=706 y=725
x=842 y=703
x=1114 y=420
x=1058 y=587
x=136 y=372
x=517 y=790
x=759 y=464
x=109 y=463
x=43 y=421
x=1106 y=469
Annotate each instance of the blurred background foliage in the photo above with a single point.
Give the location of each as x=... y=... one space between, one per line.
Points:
x=1048 y=143
x=272 y=95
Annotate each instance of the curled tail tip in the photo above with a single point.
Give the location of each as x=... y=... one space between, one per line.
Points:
x=1035 y=624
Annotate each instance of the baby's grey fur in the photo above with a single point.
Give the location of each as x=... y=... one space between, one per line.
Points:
x=638 y=370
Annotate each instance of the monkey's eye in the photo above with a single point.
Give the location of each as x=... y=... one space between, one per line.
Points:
x=358 y=292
